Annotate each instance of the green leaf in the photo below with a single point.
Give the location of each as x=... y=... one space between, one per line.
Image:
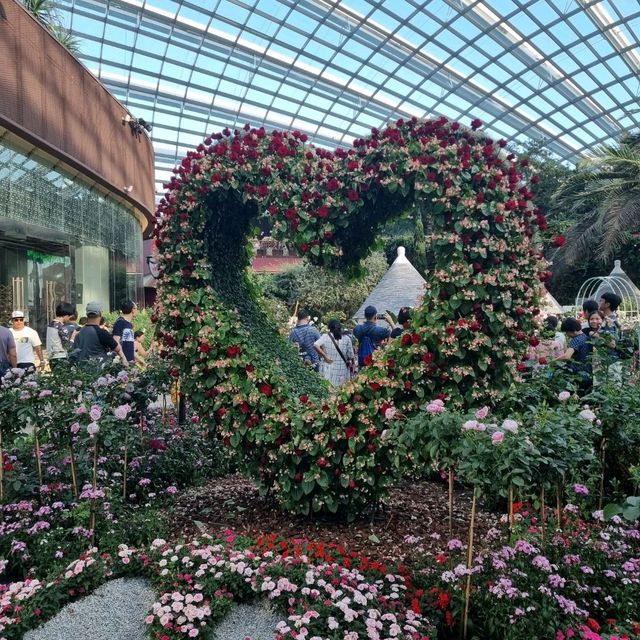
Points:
x=374 y=538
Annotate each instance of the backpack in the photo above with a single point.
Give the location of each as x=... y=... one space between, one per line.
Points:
x=365 y=350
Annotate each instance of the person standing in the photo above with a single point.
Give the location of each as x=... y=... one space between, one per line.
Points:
x=28 y=343
x=369 y=335
x=58 y=337
x=336 y=352
x=305 y=335
x=8 y=356
x=94 y=343
x=611 y=333
x=123 y=329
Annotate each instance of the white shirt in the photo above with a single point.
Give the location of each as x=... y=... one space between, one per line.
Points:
x=26 y=340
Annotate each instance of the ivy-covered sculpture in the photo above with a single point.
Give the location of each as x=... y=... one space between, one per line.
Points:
x=316 y=451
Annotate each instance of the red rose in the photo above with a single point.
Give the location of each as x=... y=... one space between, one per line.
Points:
x=342 y=409
x=406 y=339
x=350 y=432
x=204 y=347
x=427 y=357
x=521 y=366
x=221 y=412
x=304 y=398
x=408 y=385
x=520 y=336
x=542 y=360
x=353 y=195
x=265 y=389
x=415 y=338
x=559 y=241
x=298 y=477
x=233 y=351
x=244 y=407
x=322 y=463
x=475 y=326
x=499 y=219
x=534 y=341
x=375 y=386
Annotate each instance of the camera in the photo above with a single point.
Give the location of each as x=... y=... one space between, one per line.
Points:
x=381 y=316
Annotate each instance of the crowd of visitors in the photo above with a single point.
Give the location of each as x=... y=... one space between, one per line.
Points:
x=589 y=349
x=70 y=341
x=333 y=354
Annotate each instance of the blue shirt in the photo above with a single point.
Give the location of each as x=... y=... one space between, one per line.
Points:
x=304 y=335
x=376 y=334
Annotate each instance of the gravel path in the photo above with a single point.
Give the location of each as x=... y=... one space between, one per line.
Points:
x=253 y=620
x=116 y=610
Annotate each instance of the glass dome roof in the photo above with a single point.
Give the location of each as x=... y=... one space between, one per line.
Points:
x=565 y=71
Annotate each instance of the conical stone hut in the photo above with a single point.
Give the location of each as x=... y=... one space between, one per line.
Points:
x=401 y=286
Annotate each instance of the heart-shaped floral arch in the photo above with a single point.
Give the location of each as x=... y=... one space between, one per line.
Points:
x=322 y=452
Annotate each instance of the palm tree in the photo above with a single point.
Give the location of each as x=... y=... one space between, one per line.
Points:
x=44 y=11
x=604 y=197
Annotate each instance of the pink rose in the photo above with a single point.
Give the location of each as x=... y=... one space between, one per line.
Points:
x=482 y=413
x=563 y=396
x=497 y=437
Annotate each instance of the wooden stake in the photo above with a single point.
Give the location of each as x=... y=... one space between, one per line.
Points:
x=92 y=521
x=467 y=589
x=74 y=477
x=38 y=463
x=1 y=468
x=124 y=471
x=542 y=514
x=510 y=507
x=450 y=503
x=603 y=448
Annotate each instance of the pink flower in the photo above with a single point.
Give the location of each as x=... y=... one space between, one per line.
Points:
x=95 y=412
x=435 y=406
x=563 y=396
x=390 y=413
x=482 y=413
x=122 y=411
x=510 y=425
x=587 y=414
x=497 y=437
x=92 y=429
x=74 y=428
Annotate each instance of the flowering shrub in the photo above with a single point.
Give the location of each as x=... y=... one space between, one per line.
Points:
x=580 y=580
x=464 y=342
x=199 y=582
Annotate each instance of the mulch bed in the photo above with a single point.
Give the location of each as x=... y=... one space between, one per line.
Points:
x=417 y=509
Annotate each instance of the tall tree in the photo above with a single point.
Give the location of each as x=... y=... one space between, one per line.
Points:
x=604 y=198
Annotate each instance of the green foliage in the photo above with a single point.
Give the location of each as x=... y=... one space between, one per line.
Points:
x=316 y=453
x=327 y=294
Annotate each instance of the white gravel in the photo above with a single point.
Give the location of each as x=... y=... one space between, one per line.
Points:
x=116 y=610
x=254 y=620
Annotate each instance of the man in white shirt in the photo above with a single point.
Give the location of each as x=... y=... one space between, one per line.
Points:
x=28 y=343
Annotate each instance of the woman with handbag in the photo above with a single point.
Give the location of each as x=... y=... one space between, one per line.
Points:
x=336 y=354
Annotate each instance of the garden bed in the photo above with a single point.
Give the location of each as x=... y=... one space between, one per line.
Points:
x=413 y=520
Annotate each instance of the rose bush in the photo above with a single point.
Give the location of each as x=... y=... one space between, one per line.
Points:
x=464 y=342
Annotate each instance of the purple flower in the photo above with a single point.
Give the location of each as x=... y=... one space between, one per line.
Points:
x=482 y=413
x=92 y=429
x=45 y=393
x=95 y=412
x=581 y=490
x=564 y=396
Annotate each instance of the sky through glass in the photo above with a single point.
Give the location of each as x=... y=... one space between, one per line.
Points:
x=565 y=71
